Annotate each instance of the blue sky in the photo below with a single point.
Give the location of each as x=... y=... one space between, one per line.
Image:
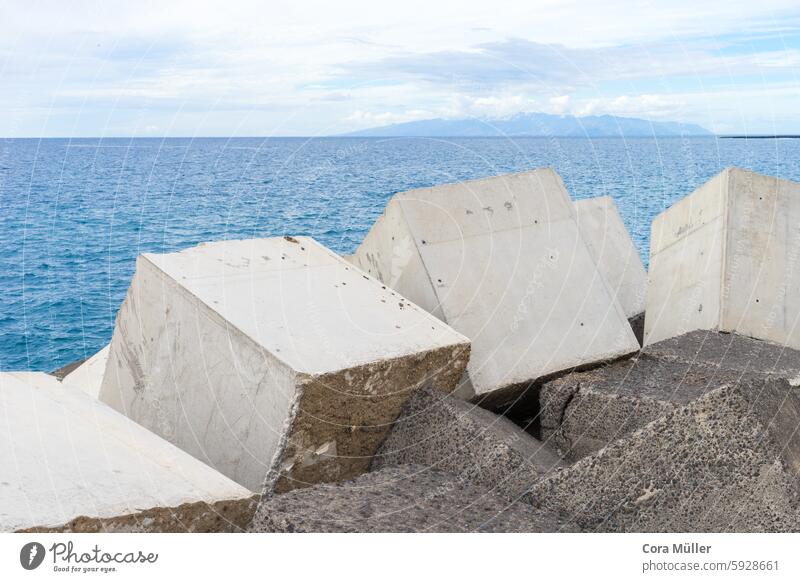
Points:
x=240 y=68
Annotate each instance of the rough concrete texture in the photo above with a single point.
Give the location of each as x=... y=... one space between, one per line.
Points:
x=444 y=433
x=407 y=498
x=71 y=463
x=272 y=360
x=725 y=258
x=503 y=262
x=88 y=376
x=582 y=412
x=729 y=352
x=726 y=462
x=613 y=250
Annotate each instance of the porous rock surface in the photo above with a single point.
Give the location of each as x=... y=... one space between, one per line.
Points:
x=408 y=498
x=582 y=412
x=443 y=433
x=729 y=351
x=727 y=462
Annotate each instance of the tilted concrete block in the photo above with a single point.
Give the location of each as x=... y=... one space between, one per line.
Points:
x=89 y=375
x=440 y=432
x=727 y=462
x=726 y=258
x=71 y=463
x=273 y=360
x=613 y=250
x=581 y=413
x=502 y=261
x=408 y=498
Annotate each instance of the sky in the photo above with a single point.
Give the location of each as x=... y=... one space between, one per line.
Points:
x=241 y=68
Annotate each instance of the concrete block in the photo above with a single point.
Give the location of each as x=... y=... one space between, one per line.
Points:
x=272 y=360
x=440 y=432
x=71 y=463
x=502 y=261
x=725 y=258
x=407 y=498
x=613 y=251
x=89 y=375
x=726 y=462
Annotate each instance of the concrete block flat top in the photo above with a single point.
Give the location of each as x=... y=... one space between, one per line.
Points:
x=501 y=260
x=444 y=433
x=272 y=360
x=89 y=375
x=64 y=455
x=613 y=250
x=727 y=462
x=408 y=498
x=725 y=258
x=295 y=297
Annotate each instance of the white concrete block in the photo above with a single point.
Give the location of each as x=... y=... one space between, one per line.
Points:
x=613 y=250
x=89 y=375
x=502 y=261
x=726 y=258
x=71 y=463
x=272 y=360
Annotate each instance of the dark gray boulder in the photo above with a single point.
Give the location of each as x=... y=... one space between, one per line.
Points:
x=407 y=498
x=439 y=431
x=729 y=352
x=729 y=461
x=582 y=412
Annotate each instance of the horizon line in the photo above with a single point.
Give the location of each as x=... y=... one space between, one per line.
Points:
x=350 y=136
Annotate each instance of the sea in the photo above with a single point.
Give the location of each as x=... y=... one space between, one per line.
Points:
x=75 y=213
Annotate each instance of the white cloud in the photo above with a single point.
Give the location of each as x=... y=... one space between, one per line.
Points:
x=558 y=105
x=655 y=107
x=365 y=119
x=93 y=68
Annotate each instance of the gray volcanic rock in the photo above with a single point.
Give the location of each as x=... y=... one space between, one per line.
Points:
x=584 y=411
x=409 y=498
x=728 y=461
x=730 y=352
x=441 y=432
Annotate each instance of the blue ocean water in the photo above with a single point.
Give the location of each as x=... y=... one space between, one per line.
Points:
x=75 y=213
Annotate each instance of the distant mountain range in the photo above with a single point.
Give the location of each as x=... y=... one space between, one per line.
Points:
x=536 y=125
